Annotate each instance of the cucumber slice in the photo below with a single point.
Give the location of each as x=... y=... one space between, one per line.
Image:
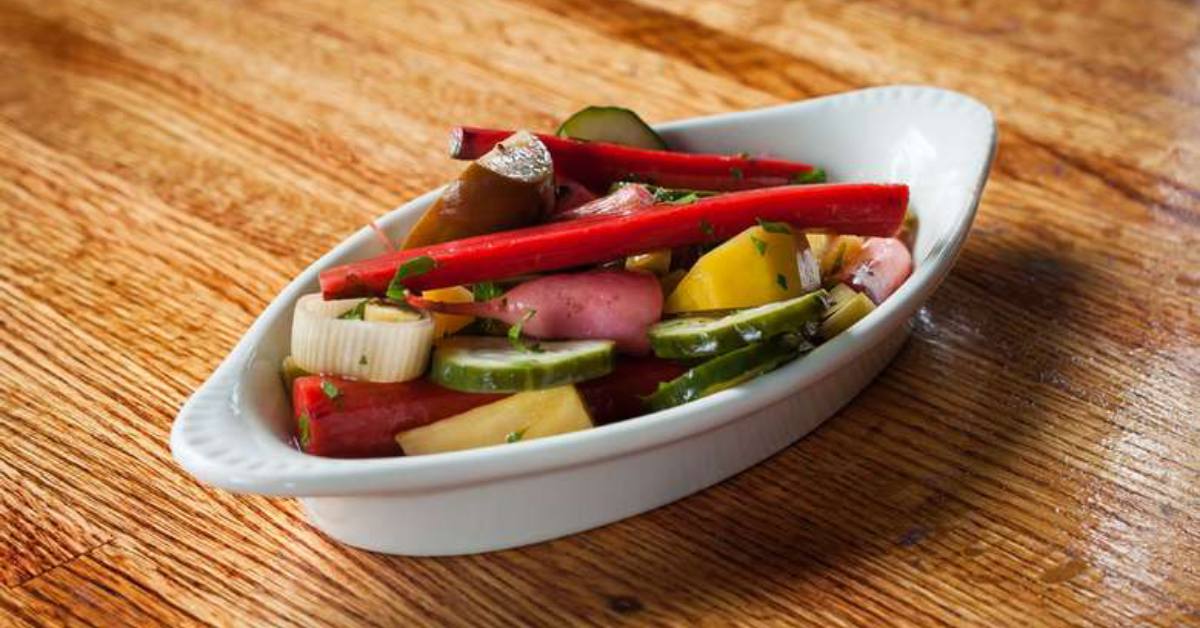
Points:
x=616 y=125
x=725 y=371
x=486 y=364
x=694 y=337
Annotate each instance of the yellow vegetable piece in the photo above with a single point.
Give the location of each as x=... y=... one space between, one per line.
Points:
x=835 y=252
x=657 y=262
x=755 y=267
x=523 y=416
x=446 y=324
x=846 y=314
x=839 y=295
x=386 y=313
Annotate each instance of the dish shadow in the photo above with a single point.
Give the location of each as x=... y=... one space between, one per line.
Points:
x=892 y=472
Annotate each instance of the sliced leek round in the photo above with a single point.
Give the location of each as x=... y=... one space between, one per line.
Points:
x=385 y=347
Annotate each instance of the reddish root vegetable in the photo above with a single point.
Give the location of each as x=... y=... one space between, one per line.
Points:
x=853 y=209
x=615 y=305
x=618 y=395
x=569 y=196
x=627 y=200
x=879 y=269
x=598 y=164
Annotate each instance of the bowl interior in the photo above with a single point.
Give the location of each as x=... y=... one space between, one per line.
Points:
x=235 y=431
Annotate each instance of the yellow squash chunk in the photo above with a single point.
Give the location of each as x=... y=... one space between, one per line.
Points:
x=845 y=314
x=446 y=324
x=657 y=262
x=523 y=416
x=755 y=267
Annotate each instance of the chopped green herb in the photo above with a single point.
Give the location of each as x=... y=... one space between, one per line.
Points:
x=707 y=228
x=516 y=436
x=355 y=313
x=330 y=389
x=782 y=281
x=686 y=199
x=362 y=361
x=305 y=429
x=412 y=268
x=736 y=173
x=486 y=291
x=670 y=195
x=760 y=245
x=774 y=227
x=514 y=332
x=816 y=175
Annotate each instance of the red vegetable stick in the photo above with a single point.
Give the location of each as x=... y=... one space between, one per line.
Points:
x=852 y=209
x=598 y=164
x=341 y=418
x=618 y=395
x=362 y=419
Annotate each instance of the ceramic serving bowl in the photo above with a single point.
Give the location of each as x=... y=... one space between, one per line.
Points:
x=233 y=432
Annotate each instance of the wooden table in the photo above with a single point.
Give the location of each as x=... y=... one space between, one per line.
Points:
x=1033 y=455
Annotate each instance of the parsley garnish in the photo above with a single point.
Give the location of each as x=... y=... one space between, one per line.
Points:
x=362 y=361
x=773 y=227
x=736 y=173
x=305 y=430
x=816 y=175
x=707 y=228
x=782 y=281
x=760 y=245
x=514 y=332
x=516 y=436
x=412 y=268
x=355 y=313
x=486 y=291
x=330 y=389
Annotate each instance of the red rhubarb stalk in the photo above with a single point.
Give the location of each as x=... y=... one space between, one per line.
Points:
x=343 y=418
x=852 y=209
x=598 y=164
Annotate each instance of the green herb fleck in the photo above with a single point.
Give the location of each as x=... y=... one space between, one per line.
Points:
x=782 y=281
x=516 y=436
x=355 y=313
x=486 y=291
x=774 y=227
x=514 y=332
x=305 y=429
x=736 y=173
x=760 y=245
x=686 y=199
x=362 y=361
x=707 y=228
x=816 y=175
x=412 y=268
x=330 y=389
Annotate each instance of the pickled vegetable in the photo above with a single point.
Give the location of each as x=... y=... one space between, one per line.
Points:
x=509 y=187
x=521 y=417
x=755 y=267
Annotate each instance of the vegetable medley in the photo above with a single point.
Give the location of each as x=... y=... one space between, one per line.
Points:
x=572 y=280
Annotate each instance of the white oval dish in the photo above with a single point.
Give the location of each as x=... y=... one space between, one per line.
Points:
x=232 y=433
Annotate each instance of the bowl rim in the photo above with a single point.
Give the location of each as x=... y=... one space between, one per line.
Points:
x=288 y=472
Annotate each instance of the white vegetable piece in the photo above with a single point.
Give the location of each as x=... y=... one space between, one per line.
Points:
x=374 y=351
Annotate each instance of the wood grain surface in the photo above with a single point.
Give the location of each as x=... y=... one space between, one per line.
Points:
x=1032 y=457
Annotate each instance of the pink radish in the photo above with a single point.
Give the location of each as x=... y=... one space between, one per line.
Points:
x=610 y=304
x=879 y=269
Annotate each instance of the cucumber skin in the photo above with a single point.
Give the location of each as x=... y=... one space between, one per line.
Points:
x=448 y=373
x=569 y=127
x=809 y=308
x=722 y=372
